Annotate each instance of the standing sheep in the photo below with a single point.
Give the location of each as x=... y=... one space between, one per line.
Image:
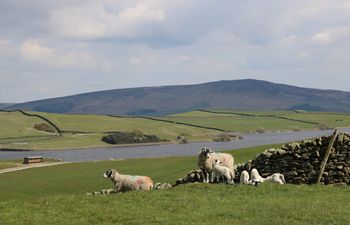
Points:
x=207 y=157
x=221 y=171
x=123 y=183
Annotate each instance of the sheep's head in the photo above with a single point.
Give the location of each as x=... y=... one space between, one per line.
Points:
x=217 y=162
x=110 y=173
x=205 y=152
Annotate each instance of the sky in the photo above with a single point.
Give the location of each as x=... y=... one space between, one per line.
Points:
x=64 y=47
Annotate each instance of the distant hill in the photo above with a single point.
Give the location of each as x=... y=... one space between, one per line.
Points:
x=5 y=105
x=245 y=94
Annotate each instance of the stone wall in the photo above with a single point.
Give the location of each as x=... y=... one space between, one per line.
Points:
x=300 y=162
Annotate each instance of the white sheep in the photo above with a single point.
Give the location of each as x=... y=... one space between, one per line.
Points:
x=244 y=178
x=255 y=177
x=275 y=178
x=206 y=157
x=219 y=171
x=123 y=183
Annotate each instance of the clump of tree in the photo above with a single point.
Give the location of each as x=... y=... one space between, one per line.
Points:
x=44 y=127
x=136 y=136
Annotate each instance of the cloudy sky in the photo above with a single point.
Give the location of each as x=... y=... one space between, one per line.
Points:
x=58 y=48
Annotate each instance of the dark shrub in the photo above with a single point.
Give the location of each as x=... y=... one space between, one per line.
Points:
x=44 y=127
x=130 y=138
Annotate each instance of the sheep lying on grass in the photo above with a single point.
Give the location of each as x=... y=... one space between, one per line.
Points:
x=206 y=158
x=219 y=171
x=275 y=178
x=123 y=183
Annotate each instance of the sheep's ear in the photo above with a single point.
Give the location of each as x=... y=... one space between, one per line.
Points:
x=209 y=150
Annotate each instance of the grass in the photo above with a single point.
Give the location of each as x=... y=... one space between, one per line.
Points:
x=4 y=164
x=56 y=195
x=17 y=130
x=12 y=163
x=189 y=204
x=13 y=135
x=15 y=124
x=263 y=120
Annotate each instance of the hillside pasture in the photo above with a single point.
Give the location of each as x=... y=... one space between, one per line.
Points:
x=56 y=195
x=252 y=121
x=85 y=130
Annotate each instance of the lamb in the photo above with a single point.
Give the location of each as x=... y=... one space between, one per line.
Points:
x=275 y=178
x=206 y=157
x=123 y=183
x=244 y=178
x=255 y=177
x=221 y=171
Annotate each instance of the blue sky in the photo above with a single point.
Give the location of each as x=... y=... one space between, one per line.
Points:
x=58 y=48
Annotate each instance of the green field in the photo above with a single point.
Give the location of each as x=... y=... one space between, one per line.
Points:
x=88 y=130
x=266 y=121
x=81 y=131
x=56 y=195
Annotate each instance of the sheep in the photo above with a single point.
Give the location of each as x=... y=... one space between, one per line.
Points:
x=275 y=178
x=123 y=183
x=244 y=178
x=221 y=171
x=255 y=177
x=206 y=158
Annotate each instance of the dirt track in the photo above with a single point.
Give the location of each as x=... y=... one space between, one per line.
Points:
x=24 y=167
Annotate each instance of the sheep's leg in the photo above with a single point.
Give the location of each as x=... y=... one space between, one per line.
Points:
x=205 y=176
x=212 y=176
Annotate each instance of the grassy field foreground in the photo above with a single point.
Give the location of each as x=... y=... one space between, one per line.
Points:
x=56 y=195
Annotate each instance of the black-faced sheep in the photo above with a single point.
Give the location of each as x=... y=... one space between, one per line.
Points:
x=207 y=157
x=123 y=183
x=221 y=171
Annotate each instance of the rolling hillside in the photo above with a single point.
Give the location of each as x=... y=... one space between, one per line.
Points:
x=236 y=94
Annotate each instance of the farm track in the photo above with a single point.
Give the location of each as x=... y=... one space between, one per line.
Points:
x=29 y=166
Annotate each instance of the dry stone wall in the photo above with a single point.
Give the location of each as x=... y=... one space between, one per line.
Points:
x=300 y=162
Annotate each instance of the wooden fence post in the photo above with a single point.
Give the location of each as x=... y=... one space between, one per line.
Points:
x=328 y=152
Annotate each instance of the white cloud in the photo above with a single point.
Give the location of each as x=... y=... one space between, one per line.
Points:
x=94 y=21
x=134 y=61
x=39 y=54
x=33 y=50
x=302 y=55
x=322 y=37
x=106 y=44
